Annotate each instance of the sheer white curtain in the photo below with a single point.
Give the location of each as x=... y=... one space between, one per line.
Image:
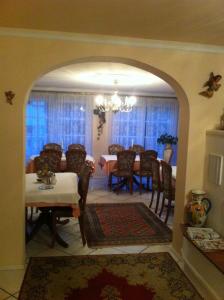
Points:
x=151 y=117
x=128 y=128
x=161 y=117
x=55 y=117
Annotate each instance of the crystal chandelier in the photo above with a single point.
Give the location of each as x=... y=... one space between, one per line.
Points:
x=115 y=103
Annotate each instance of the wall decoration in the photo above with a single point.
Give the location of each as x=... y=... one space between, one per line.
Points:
x=212 y=85
x=102 y=121
x=9 y=97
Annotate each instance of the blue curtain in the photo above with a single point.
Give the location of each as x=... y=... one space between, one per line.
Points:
x=150 y=118
x=62 y=118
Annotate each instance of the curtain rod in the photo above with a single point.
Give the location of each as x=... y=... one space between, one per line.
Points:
x=108 y=93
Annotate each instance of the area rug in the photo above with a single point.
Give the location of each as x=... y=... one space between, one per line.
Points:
x=110 y=277
x=123 y=224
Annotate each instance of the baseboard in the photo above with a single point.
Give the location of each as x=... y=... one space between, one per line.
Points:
x=175 y=253
x=202 y=286
x=12 y=267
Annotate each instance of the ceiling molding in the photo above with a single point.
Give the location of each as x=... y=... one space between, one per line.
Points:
x=89 y=91
x=110 y=40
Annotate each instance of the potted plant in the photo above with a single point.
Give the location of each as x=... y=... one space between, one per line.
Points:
x=167 y=139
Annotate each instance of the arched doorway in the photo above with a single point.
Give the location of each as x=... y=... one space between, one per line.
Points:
x=183 y=132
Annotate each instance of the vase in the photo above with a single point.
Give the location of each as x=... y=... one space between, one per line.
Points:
x=168 y=146
x=198 y=208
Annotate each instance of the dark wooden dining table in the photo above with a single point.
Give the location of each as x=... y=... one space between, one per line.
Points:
x=44 y=197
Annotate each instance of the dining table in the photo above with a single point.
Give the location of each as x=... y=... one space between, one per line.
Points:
x=64 y=193
x=30 y=167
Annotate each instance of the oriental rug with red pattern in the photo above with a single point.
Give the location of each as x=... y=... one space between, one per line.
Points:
x=110 y=277
x=123 y=224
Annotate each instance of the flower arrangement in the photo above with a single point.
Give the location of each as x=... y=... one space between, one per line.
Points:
x=167 y=139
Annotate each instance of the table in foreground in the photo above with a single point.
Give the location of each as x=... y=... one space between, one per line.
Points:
x=63 y=194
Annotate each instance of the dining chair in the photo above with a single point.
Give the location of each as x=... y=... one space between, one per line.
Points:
x=66 y=212
x=167 y=155
x=75 y=159
x=124 y=170
x=76 y=147
x=145 y=169
x=113 y=149
x=137 y=148
x=48 y=159
x=168 y=188
x=52 y=146
x=156 y=182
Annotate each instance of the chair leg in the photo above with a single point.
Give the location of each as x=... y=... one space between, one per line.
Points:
x=147 y=186
x=81 y=226
x=157 y=201
x=131 y=185
x=168 y=211
x=118 y=183
x=162 y=206
x=54 y=228
x=110 y=181
x=153 y=192
x=140 y=185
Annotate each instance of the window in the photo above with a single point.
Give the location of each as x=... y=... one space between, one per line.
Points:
x=150 y=118
x=62 y=118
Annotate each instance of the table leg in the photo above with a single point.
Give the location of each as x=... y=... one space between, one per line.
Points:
x=42 y=219
x=45 y=217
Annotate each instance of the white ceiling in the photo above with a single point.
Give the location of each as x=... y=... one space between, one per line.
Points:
x=103 y=76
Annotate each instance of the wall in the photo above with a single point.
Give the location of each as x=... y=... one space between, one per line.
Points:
x=25 y=58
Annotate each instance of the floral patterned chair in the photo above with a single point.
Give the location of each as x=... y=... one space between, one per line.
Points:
x=49 y=160
x=156 y=182
x=168 y=188
x=52 y=146
x=137 y=148
x=76 y=147
x=113 y=149
x=124 y=170
x=145 y=169
x=66 y=212
x=75 y=159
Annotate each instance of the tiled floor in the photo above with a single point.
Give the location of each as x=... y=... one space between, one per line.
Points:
x=10 y=281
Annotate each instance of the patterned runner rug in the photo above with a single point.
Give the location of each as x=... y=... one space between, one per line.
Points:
x=109 y=277
x=124 y=224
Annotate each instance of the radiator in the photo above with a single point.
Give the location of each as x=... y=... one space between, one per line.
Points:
x=215 y=168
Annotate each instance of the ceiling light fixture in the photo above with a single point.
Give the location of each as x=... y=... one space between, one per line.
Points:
x=115 y=103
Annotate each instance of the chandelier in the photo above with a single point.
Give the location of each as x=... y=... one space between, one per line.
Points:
x=115 y=103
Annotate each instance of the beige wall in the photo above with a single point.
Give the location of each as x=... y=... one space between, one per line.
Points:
x=23 y=60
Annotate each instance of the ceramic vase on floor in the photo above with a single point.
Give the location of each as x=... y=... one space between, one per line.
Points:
x=198 y=208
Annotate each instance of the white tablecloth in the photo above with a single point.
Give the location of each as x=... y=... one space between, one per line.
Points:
x=108 y=157
x=174 y=172
x=64 y=193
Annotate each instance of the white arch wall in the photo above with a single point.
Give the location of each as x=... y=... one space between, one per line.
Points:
x=24 y=59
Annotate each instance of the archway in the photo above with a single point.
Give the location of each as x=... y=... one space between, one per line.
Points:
x=183 y=130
